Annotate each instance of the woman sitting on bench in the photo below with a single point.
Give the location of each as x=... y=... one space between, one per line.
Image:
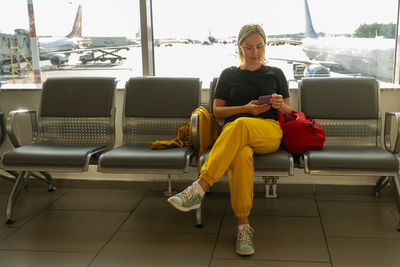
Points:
x=251 y=126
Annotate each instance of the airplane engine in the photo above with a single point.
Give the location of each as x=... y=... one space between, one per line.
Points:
x=316 y=70
x=58 y=59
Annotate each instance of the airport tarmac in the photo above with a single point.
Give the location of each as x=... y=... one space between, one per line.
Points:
x=183 y=60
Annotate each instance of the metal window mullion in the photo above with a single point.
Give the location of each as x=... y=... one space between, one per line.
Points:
x=397 y=48
x=147 y=40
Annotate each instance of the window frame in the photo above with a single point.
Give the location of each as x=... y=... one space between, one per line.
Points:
x=148 y=41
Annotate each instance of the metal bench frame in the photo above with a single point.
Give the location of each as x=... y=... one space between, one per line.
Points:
x=76 y=113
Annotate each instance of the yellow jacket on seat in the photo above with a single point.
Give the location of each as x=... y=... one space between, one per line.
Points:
x=208 y=132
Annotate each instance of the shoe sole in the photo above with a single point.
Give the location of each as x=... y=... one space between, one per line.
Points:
x=181 y=208
x=245 y=253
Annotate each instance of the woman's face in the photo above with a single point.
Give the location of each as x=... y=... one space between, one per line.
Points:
x=253 y=49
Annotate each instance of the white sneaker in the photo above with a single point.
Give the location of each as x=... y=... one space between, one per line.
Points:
x=188 y=199
x=245 y=240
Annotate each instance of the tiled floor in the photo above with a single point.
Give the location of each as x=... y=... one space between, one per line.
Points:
x=137 y=227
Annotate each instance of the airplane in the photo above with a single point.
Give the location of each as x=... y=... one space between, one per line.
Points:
x=169 y=42
x=372 y=57
x=58 y=49
x=48 y=46
x=210 y=39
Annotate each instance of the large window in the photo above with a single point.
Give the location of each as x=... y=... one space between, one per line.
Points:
x=198 y=38
x=349 y=37
x=74 y=37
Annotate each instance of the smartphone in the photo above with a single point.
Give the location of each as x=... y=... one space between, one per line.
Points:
x=264 y=99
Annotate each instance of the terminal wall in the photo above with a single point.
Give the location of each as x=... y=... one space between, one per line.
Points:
x=12 y=99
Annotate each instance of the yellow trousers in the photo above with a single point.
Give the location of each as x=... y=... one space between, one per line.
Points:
x=233 y=153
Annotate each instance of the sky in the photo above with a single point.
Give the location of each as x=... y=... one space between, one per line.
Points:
x=195 y=18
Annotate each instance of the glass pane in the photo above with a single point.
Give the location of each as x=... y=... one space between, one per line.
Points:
x=352 y=37
x=76 y=38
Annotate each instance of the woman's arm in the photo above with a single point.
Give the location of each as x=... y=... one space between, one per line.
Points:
x=285 y=106
x=221 y=111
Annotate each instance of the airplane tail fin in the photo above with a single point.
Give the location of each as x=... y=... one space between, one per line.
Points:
x=310 y=32
x=77 y=29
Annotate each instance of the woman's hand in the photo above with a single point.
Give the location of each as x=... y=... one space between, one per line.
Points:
x=255 y=109
x=281 y=104
x=276 y=101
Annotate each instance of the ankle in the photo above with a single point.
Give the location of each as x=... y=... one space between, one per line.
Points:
x=204 y=185
x=243 y=220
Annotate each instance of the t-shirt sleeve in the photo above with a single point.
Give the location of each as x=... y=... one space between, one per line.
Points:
x=222 y=88
x=283 y=84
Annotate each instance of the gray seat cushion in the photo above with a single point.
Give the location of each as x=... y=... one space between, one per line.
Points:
x=278 y=161
x=141 y=156
x=48 y=156
x=350 y=158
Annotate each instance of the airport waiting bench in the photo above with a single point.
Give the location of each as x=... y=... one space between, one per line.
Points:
x=3 y=135
x=41 y=175
x=348 y=109
x=77 y=128
x=75 y=124
x=154 y=109
x=2 y=129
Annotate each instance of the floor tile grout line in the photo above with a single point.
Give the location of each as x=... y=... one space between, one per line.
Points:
x=164 y=232
x=47 y=251
x=323 y=230
x=224 y=216
x=219 y=231
x=7 y=236
x=280 y=216
x=357 y=201
x=40 y=211
x=93 y=210
x=16 y=229
x=264 y=260
x=118 y=229
x=364 y=237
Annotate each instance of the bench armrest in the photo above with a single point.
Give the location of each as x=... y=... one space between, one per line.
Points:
x=11 y=123
x=2 y=128
x=389 y=117
x=194 y=129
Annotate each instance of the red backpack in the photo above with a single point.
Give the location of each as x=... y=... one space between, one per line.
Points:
x=301 y=134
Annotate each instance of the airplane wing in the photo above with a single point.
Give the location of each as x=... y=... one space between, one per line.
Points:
x=277 y=41
x=294 y=60
x=314 y=68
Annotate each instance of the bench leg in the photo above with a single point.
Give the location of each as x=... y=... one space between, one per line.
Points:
x=20 y=183
x=199 y=223
x=12 y=179
x=271 y=184
x=394 y=181
x=380 y=184
x=47 y=179
x=169 y=192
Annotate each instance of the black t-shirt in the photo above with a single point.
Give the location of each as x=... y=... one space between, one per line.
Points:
x=238 y=87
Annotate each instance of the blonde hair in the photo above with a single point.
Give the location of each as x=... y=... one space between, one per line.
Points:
x=245 y=32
